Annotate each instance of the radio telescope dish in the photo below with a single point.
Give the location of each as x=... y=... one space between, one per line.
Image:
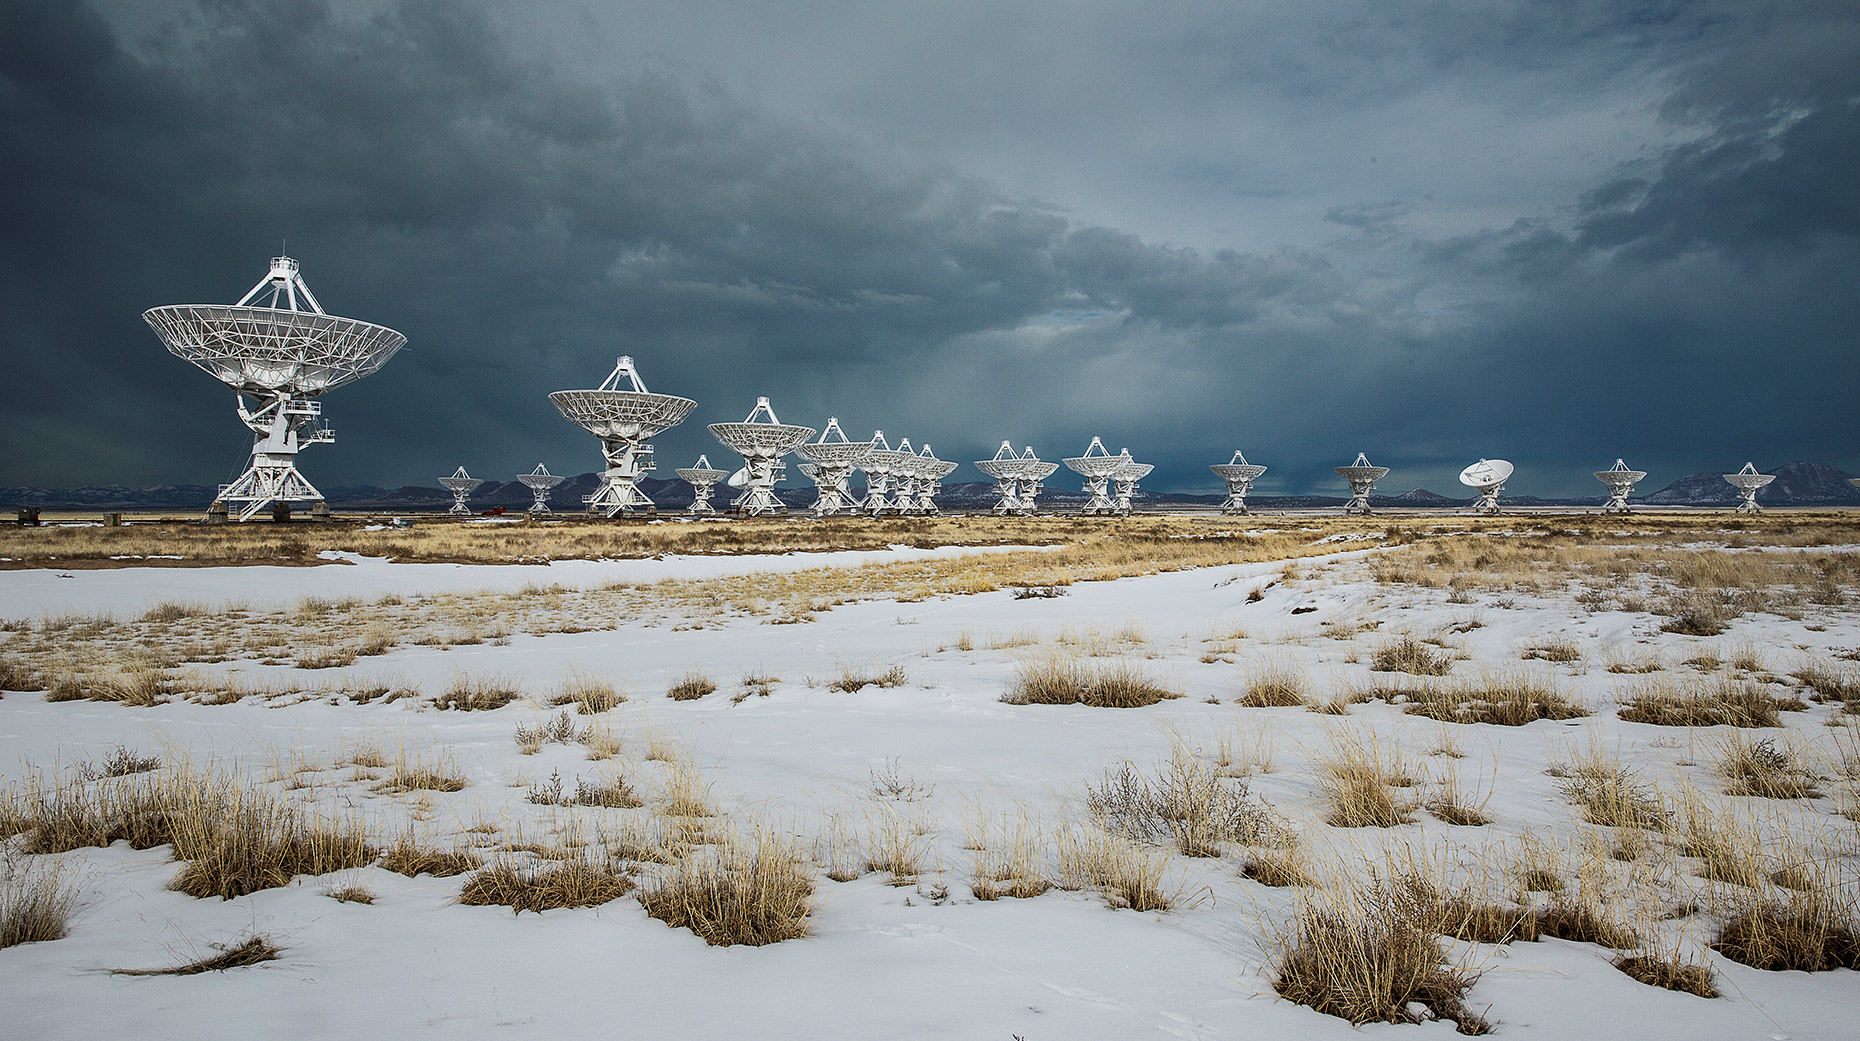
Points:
x=1748 y=482
x=740 y=478
x=761 y=442
x=1096 y=465
x=702 y=477
x=906 y=471
x=1032 y=481
x=930 y=471
x=1126 y=476
x=1487 y=477
x=1362 y=477
x=540 y=482
x=1620 y=481
x=1008 y=470
x=461 y=485
x=283 y=358
x=624 y=415
x=1239 y=475
x=833 y=458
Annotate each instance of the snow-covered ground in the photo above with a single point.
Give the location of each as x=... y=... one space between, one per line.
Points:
x=924 y=960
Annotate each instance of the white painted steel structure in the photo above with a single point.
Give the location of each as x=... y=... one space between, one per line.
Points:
x=702 y=477
x=282 y=358
x=1620 y=481
x=1032 y=481
x=461 y=485
x=1239 y=475
x=906 y=471
x=1362 y=477
x=625 y=416
x=833 y=458
x=1008 y=470
x=930 y=472
x=1748 y=482
x=1096 y=465
x=880 y=465
x=1125 y=477
x=540 y=482
x=1487 y=477
x=761 y=439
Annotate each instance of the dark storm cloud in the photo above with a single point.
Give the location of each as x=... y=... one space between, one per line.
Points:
x=524 y=221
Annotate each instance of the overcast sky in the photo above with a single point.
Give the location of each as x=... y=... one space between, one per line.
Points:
x=1556 y=233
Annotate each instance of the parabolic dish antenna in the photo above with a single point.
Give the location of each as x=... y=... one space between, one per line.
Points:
x=761 y=439
x=1008 y=470
x=1748 y=482
x=1096 y=465
x=832 y=459
x=702 y=477
x=1487 y=477
x=1126 y=477
x=624 y=415
x=879 y=465
x=283 y=358
x=1362 y=477
x=540 y=482
x=461 y=485
x=930 y=471
x=1239 y=475
x=1032 y=482
x=906 y=471
x=1620 y=481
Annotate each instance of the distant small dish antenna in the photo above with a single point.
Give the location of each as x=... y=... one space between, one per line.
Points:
x=906 y=472
x=625 y=416
x=1125 y=477
x=1008 y=470
x=1620 y=481
x=540 y=482
x=461 y=485
x=1239 y=475
x=930 y=473
x=702 y=477
x=1096 y=465
x=1748 y=482
x=880 y=464
x=830 y=463
x=1035 y=472
x=1362 y=477
x=761 y=439
x=1487 y=477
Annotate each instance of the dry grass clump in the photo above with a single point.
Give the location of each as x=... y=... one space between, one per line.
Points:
x=1669 y=971
x=692 y=686
x=1277 y=686
x=559 y=729
x=352 y=895
x=120 y=762
x=408 y=857
x=1561 y=651
x=1610 y=794
x=35 y=899
x=544 y=886
x=1411 y=656
x=852 y=680
x=1809 y=932
x=1695 y=612
x=1504 y=700
x=1582 y=919
x=1453 y=803
x=1464 y=918
x=16 y=676
x=1718 y=701
x=1765 y=770
x=141 y=684
x=1010 y=866
x=468 y=693
x=251 y=951
x=1280 y=867
x=752 y=891
x=440 y=774
x=590 y=694
x=1061 y=680
x=1366 y=953
x=1130 y=876
x=1831 y=682
x=1359 y=776
x=1188 y=804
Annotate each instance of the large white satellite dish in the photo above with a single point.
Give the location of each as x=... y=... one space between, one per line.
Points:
x=1748 y=482
x=1362 y=476
x=1620 y=481
x=1488 y=477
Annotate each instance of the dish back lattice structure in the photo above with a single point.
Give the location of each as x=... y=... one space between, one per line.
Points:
x=762 y=440
x=1362 y=477
x=833 y=458
x=906 y=472
x=282 y=354
x=540 y=482
x=461 y=485
x=1008 y=470
x=1620 y=481
x=1239 y=475
x=930 y=472
x=1748 y=482
x=702 y=477
x=1125 y=478
x=1033 y=480
x=1096 y=465
x=1487 y=477
x=880 y=464
x=625 y=416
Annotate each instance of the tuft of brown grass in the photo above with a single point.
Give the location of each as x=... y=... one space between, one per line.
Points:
x=1128 y=875
x=1279 y=867
x=35 y=899
x=1560 y=651
x=1765 y=769
x=1465 y=919
x=440 y=774
x=1277 y=686
x=1509 y=700
x=352 y=895
x=1807 y=932
x=251 y=951
x=1359 y=776
x=1188 y=804
x=545 y=886
x=752 y=891
x=1609 y=793
x=1409 y=655
x=1582 y=919
x=590 y=694
x=852 y=680
x=408 y=857
x=467 y=693
x=1837 y=682
x=1669 y=971
x=1057 y=679
x=692 y=686
x=1716 y=701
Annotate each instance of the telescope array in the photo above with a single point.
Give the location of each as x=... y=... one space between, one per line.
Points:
x=461 y=485
x=831 y=461
x=762 y=440
x=880 y=465
x=1239 y=475
x=1748 y=482
x=702 y=477
x=1362 y=478
x=1620 y=481
x=540 y=482
x=1096 y=465
x=625 y=416
x=1125 y=477
x=930 y=473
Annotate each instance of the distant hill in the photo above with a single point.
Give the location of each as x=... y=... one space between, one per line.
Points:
x=1796 y=484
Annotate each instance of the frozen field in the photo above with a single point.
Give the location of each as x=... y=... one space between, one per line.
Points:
x=923 y=790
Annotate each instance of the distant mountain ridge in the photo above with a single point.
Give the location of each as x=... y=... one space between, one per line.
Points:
x=1796 y=484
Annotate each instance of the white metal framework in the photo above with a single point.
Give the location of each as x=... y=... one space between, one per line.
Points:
x=906 y=471
x=879 y=464
x=1239 y=475
x=833 y=458
x=283 y=358
x=1620 y=481
x=1362 y=478
x=930 y=471
x=1487 y=477
x=761 y=442
x=540 y=482
x=702 y=477
x=1008 y=470
x=1748 y=482
x=1032 y=480
x=1096 y=466
x=1125 y=477
x=625 y=416
x=461 y=485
